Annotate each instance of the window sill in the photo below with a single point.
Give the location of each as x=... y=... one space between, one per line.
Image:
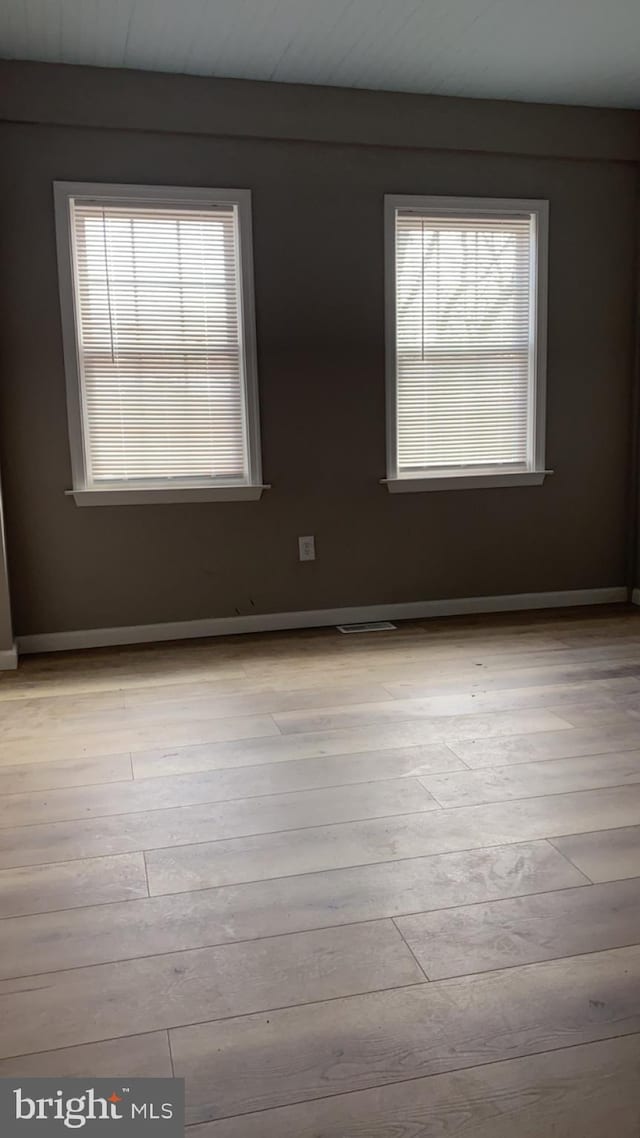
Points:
x=162 y=495
x=431 y=482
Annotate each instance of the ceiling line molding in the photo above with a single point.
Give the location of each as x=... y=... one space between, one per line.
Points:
x=105 y=98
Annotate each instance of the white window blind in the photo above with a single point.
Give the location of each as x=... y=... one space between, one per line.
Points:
x=465 y=360
x=160 y=342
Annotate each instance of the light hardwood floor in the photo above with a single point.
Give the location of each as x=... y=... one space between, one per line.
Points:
x=384 y=886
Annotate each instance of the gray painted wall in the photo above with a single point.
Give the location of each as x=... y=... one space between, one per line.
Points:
x=319 y=295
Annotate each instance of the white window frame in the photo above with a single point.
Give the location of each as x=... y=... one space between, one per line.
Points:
x=250 y=487
x=466 y=479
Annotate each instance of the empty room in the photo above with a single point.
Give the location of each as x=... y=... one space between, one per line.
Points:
x=320 y=568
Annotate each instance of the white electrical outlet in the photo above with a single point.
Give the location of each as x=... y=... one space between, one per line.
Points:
x=307 y=548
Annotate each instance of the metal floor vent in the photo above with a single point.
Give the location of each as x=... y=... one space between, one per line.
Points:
x=367 y=626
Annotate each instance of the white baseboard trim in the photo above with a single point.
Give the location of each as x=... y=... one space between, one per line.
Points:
x=635 y=597
x=9 y=659
x=313 y=618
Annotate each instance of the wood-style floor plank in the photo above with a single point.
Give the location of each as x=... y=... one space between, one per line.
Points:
x=618 y=651
x=615 y=709
x=294 y=1055
x=557 y=696
x=87 y=677
x=436 y=727
x=563 y=744
x=428 y=668
x=387 y=839
x=139 y=1056
x=91 y=881
x=31 y=712
x=610 y=675
x=413 y=650
x=524 y=780
x=96 y=935
x=165 y=683
x=185 y=705
x=606 y=855
x=587 y=1091
x=504 y=933
x=52 y=721
x=81 y=744
x=323 y=776
x=27 y=777
x=86 y=1005
x=349 y=740
x=125 y=833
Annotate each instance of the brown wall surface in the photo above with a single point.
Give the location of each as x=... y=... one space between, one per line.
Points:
x=318 y=247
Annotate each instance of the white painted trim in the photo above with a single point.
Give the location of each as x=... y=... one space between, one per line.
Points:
x=312 y=618
x=538 y=211
x=187 y=197
x=405 y=485
x=156 y=495
x=635 y=597
x=9 y=659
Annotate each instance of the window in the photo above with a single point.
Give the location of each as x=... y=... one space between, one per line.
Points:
x=466 y=331
x=157 y=308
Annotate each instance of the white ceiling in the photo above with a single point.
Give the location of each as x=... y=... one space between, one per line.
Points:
x=566 y=51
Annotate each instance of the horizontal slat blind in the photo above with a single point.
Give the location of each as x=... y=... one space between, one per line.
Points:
x=159 y=330
x=464 y=339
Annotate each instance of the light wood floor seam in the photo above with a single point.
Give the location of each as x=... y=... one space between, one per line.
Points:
x=146 y=870
x=551 y=843
x=409 y=948
x=173 y=1070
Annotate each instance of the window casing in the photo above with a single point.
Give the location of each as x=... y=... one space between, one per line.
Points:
x=156 y=290
x=466 y=342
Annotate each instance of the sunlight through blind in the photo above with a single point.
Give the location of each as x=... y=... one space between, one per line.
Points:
x=465 y=351
x=159 y=329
